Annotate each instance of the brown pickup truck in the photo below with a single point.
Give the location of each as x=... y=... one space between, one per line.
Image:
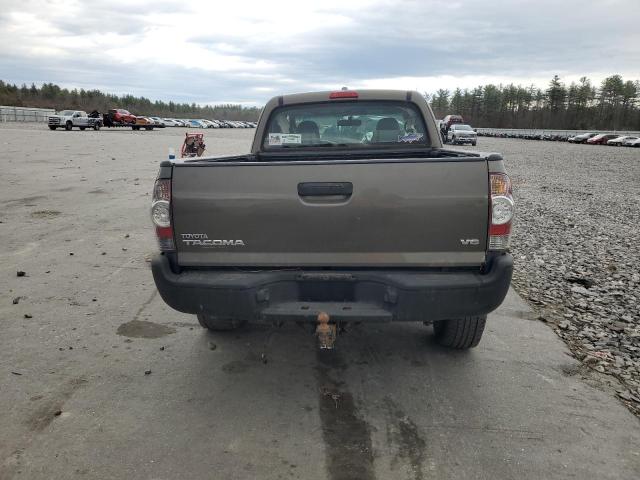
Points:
x=347 y=209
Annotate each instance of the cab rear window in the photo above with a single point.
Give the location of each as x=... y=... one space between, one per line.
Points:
x=345 y=124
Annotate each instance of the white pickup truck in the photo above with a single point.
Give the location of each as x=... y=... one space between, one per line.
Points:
x=68 y=119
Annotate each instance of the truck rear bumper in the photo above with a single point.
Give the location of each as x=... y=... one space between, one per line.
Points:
x=346 y=295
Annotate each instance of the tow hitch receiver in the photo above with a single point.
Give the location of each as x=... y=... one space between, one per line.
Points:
x=326 y=332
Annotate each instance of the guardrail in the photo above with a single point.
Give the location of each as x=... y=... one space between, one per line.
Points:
x=25 y=114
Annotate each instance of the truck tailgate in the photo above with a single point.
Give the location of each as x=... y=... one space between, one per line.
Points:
x=414 y=212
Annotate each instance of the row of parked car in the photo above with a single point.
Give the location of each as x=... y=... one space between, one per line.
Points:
x=612 y=139
x=119 y=116
x=606 y=139
x=202 y=123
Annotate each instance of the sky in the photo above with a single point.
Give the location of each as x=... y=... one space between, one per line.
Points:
x=212 y=52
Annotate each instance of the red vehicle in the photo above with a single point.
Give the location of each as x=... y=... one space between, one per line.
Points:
x=601 y=139
x=122 y=116
x=451 y=119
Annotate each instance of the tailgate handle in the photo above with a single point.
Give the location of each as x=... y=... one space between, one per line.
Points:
x=317 y=189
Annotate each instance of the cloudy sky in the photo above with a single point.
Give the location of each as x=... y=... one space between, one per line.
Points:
x=247 y=51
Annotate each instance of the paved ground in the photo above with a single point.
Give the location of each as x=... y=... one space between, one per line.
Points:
x=75 y=401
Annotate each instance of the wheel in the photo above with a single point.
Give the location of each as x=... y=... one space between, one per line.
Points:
x=135 y=128
x=473 y=144
x=148 y=128
x=83 y=128
x=68 y=126
x=460 y=333
x=216 y=324
x=52 y=127
x=96 y=126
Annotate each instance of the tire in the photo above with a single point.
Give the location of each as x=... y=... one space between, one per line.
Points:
x=215 y=324
x=83 y=128
x=473 y=144
x=68 y=126
x=460 y=333
x=52 y=127
x=135 y=128
x=96 y=126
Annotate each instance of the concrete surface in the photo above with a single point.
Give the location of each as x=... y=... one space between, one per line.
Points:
x=75 y=401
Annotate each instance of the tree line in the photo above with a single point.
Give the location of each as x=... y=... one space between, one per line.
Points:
x=613 y=105
x=49 y=95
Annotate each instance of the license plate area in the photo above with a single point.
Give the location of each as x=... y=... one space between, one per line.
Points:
x=326 y=287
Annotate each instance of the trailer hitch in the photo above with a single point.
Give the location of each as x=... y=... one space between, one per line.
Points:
x=326 y=332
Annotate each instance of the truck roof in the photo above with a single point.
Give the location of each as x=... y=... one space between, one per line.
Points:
x=349 y=96
x=314 y=97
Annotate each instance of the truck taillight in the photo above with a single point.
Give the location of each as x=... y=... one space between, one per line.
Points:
x=502 y=211
x=343 y=94
x=161 y=214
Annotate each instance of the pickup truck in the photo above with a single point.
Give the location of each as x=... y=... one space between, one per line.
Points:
x=460 y=133
x=68 y=119
x=347 y=209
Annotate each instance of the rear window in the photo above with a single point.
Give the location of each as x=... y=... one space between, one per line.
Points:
x=346 y=124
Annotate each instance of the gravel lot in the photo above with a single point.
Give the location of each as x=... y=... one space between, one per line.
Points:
x=576 y=248
x=100 y=379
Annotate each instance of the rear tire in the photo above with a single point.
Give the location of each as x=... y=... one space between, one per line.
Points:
x=460 y=333
x=217 y=324
x=83 y=128
x=96 y=126
x=68 y=126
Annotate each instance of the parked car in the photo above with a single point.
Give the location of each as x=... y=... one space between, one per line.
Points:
x=461 y=133
x=618 y=141
x=122 y=116
x=632 y=143
x=601 y=139
x=451 y=119
x=208 y=123
x=314 y=253
x=196 y=124
x=144 y=122
x=581 y=138
x=159 y=122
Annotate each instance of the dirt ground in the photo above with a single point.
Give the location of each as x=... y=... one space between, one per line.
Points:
x=99 y=379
